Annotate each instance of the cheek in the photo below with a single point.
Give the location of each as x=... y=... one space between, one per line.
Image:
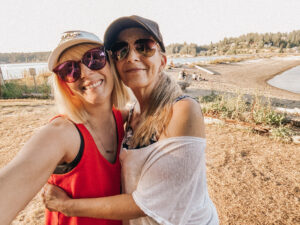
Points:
x=71 y=86
x=119 y=70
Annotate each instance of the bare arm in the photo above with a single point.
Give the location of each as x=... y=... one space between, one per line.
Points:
x=26 y=174
x=113 y=207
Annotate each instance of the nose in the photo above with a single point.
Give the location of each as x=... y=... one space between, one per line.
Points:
x=85 y=71
x=132 y=55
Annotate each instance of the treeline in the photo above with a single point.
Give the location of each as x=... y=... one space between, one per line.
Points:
x=267 y=42
x=185 y=49
x=248 y=43
x=24 y=57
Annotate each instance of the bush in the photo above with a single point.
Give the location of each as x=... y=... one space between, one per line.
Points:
x=282 y=133
x=238 y=108
x=14 y=89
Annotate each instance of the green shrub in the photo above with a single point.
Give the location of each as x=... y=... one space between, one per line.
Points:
x=281 y=133
x=238 y=108
x=14 y=89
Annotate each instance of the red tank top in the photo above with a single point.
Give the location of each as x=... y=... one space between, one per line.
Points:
x=93 y=176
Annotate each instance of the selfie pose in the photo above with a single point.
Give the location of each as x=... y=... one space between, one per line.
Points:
x=163 y=154
x=78 y=149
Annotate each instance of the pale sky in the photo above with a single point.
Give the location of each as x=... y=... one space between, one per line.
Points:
x=35 y=25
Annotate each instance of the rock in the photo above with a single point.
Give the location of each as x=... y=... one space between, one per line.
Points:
x=296 y=139
x=183 y=84
x=209 y=120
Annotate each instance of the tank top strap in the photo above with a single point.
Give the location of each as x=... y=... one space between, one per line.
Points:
x=183 y=97
x=130 y=114
x=119 y=123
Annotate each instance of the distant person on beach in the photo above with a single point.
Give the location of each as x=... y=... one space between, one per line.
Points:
x=163 y=159
x=79 y=149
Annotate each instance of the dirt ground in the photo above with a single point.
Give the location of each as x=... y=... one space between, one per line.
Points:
x=251 y=179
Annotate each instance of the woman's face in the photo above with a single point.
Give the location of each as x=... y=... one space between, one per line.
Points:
x=138 y=71
x=93 y=86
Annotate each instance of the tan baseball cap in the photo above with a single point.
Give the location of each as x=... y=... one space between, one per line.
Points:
x=69 y=39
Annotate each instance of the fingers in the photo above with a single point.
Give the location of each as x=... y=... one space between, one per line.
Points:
x=46 y=195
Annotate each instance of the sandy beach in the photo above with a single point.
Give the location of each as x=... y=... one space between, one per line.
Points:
x=247 y=77
x=251 y=178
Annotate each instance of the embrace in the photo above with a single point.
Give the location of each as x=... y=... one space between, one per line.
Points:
x=105 y=163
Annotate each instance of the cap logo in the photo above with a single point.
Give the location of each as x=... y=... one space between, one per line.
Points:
x=69 y=35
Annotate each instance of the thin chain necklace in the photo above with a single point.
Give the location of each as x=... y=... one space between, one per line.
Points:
x=109 y=151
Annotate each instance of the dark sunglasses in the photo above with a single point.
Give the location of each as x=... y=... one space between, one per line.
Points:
x=69 y=71
x=145 y=47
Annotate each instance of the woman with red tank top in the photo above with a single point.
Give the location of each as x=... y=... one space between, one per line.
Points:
x=79 y=149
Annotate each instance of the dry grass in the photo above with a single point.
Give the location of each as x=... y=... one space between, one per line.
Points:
x=251 y=179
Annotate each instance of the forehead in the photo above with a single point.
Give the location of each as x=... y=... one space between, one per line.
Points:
x=133 y=34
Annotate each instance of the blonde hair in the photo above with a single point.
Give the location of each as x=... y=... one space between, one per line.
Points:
x=158 y=112
x=71 y=105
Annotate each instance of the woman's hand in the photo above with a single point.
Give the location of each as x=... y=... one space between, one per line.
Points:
x=55 y=198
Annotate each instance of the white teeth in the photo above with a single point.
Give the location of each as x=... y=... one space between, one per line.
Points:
x=94 y=85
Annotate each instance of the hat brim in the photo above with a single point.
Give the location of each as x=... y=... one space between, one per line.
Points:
x=56 y=53
x=120 y=24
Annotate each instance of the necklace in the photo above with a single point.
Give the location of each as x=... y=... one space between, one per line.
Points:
x=99 y=140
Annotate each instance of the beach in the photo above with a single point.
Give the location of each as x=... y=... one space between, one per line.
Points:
x=246 y=77
x=252 y=179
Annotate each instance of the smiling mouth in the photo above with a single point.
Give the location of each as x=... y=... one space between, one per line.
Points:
x=96 y=84
x=133 y=70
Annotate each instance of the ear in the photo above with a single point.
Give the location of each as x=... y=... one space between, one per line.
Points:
x=163 y=60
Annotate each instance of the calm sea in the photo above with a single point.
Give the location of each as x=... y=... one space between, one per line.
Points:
x=288 y=80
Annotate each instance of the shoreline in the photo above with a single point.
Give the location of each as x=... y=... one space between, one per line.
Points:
x=276 y=74
x=248 y=77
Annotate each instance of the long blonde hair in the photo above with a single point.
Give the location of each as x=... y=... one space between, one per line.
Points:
x=158 y=112
x=71 y=105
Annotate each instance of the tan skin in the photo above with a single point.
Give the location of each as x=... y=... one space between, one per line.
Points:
x=56 y=143
x=140 y=74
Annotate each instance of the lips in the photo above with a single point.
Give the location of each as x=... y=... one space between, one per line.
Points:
x=134 y=70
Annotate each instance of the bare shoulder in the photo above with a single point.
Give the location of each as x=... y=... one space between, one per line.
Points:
x=63 y=135
x=188 y=108
x=186 y=120
x=61 y=124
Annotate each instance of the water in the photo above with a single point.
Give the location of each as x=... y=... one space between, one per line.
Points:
x=288 y=80
x=16 y=70
x=197 y=59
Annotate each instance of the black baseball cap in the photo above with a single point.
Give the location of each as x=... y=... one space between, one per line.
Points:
x=123 y=23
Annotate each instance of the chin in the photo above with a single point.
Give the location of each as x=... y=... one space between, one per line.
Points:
x=137 y=84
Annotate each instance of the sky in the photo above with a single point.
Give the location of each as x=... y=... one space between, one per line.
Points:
x=36 y=25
